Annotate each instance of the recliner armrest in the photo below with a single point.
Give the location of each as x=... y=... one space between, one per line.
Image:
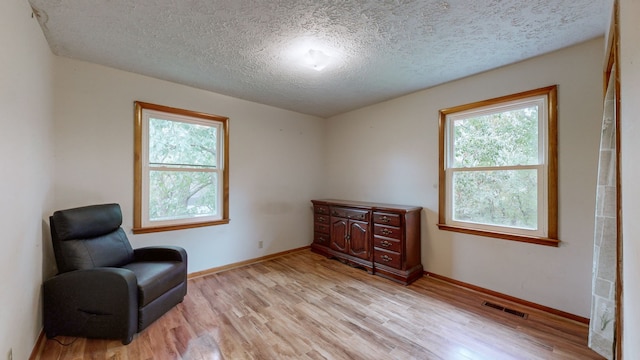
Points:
x=160 y=253
x=99 y=302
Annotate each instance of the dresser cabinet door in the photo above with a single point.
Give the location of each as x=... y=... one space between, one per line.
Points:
x=358 y=238
x=339 y=231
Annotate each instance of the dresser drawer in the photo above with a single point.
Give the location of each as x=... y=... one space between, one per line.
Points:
x=387 y=258
x=321 y=239
x=362 y=215
x=387 y=231
x=387 y=243
x=386 y=219
x=319 y=227
x=322 y=219
x=321 y=209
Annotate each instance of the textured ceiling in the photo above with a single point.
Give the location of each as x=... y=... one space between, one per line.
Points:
x=254 y=50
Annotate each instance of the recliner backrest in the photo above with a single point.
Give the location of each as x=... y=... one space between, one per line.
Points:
x=88 y=237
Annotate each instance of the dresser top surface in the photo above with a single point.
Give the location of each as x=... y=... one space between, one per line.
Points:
x=366 y=205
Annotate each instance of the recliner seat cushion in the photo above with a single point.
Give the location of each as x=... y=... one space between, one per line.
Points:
x=155 y=278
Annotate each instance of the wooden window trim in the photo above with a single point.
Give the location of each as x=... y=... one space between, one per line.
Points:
x=552 y=181
x=137 y=168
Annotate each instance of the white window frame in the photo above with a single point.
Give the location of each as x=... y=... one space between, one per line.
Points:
x=546 y=231
x=143 y=113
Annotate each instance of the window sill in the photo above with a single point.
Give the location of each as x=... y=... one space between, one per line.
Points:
x=146 y=230
x=503 y=236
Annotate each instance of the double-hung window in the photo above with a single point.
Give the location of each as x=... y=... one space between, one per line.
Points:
x=181 y=169
x=498 y=164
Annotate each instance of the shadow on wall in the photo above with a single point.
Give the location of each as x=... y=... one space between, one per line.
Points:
x=436 y=254
x=49 y=267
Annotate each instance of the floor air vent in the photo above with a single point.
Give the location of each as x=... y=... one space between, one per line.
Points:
x=504 y=309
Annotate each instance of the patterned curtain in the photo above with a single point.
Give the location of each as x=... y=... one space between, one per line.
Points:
x=603 y=303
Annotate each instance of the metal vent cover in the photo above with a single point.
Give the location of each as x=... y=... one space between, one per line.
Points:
x=505 y=309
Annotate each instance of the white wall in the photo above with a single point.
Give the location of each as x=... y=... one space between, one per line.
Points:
x=630 y=169
x=389 y=153
x=26 y=163
x=275 y=164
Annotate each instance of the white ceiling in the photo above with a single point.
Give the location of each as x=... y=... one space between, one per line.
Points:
x=380 y=49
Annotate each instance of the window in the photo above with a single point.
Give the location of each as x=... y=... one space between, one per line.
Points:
x=181 y=169
x=498 y=173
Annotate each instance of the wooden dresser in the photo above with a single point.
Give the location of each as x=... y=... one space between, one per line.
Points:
x=381 y=238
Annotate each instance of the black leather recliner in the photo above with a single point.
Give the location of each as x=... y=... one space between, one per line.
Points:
x=104 y=288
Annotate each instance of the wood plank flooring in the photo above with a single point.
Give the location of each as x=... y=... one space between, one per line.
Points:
x=304 y=306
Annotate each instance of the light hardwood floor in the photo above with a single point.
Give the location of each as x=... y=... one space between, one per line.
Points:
x=304 y=306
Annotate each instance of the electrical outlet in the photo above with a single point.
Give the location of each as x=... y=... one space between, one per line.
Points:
x=260 y=244
x=10 y=355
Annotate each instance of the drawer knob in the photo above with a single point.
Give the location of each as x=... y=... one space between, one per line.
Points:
x=321 y=219
x=385 y=219
x=385 y=243
x=386 y=258
x=387 y=232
